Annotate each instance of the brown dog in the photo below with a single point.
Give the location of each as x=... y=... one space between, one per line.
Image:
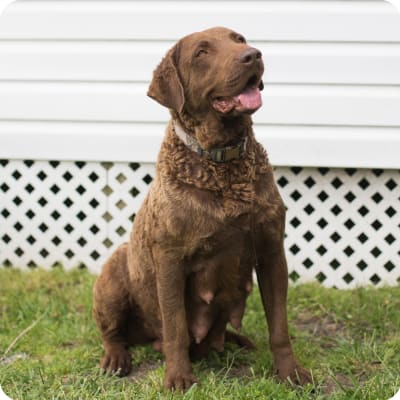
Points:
x=213 y=213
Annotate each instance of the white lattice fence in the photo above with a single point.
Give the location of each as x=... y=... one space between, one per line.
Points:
x=342 y=226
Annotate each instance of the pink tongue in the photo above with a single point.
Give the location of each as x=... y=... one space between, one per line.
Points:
x=248 y=100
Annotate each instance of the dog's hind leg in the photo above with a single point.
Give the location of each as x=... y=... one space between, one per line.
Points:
x=111 y=311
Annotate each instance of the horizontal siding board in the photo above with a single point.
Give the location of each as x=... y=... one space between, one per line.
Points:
x=84 y=61
x=153 y=20
x=286 y=145
x=78 y=102
x=75 y=73
x=330 y=105
x=315 y=146
x=283 y=104
x=80 y=141
x=353 y=63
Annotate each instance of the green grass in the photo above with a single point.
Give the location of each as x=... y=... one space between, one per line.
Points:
x=50 y=348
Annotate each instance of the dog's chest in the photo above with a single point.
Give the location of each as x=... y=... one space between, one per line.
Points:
x=219 y=242
x=226 y=225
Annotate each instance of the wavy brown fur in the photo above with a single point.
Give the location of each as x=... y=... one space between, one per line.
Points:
x=187 y=270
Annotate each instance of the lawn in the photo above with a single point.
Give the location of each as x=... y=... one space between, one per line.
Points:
x=50 y=349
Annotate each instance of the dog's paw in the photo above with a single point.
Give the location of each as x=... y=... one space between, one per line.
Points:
x=179 y=380
x=294 y=374
x=117 y=362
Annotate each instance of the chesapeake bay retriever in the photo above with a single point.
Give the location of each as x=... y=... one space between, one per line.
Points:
x=213 y=213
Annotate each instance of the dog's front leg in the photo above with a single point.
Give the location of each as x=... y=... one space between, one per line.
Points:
x=272 y=278
x=175 y=335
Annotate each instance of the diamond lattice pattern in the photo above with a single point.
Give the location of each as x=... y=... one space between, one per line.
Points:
x=342 y=225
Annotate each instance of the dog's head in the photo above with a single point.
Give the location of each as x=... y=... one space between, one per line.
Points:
x=210 y=71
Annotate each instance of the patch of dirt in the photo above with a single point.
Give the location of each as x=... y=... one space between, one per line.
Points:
x=326 y=326
x=144 y=368
x=337 y=383
x=14 y=357
x=368 y=370
x=80 y=308
x=69 y=345
x=241 y=371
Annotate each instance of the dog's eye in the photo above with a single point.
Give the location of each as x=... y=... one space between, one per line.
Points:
x=240 y=39
x=202 y=48
x=201 y=52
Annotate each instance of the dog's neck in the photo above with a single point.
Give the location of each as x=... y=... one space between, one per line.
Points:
x=217 y=154
x=212 y=132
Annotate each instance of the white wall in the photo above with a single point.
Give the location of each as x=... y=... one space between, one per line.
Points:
x=74 y=74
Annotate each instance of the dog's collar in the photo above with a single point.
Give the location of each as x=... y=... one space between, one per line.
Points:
x=218 y=155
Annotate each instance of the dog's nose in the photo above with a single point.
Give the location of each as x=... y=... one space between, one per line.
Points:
x=250 y=56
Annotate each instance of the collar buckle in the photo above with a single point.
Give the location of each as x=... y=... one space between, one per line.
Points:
x=220 y=155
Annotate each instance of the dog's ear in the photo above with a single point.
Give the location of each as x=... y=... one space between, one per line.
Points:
x=166 y=87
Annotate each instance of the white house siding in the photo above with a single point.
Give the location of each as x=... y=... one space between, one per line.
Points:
x=73 y=80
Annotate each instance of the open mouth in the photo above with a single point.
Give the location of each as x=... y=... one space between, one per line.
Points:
x=248 y=100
